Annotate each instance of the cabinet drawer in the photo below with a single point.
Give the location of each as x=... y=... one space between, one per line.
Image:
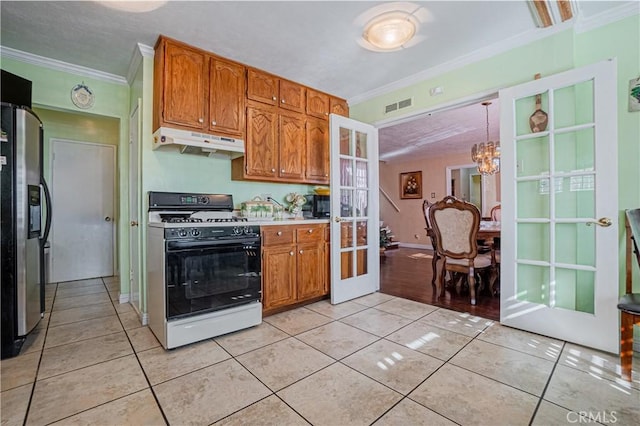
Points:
x=276 y=235
x=309 y=234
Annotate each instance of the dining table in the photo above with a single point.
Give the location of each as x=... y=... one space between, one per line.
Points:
x=488 y=232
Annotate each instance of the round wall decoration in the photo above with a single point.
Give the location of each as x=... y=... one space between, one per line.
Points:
x=82 y=96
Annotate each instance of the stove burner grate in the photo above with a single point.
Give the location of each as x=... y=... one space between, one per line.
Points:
x=182 y=220
x=230 y=219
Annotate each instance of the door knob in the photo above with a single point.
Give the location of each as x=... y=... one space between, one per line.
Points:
x=338 y=219
x=134 y=223
x=107 y=219
x=603 y=221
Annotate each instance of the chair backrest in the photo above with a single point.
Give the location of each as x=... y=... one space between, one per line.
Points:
x=425 y=209
x=633 y=234
x=496 y=213
x=455 y=225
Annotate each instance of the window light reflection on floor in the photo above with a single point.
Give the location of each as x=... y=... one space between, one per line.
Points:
x=421 y=341
x=389 y=361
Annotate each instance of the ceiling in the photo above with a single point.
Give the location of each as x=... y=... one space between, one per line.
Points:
x=312 y=42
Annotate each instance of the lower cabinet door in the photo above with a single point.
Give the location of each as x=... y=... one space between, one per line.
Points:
x=310 y=269
x=279 y=276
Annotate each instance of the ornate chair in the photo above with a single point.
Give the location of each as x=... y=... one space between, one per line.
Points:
x=455 y=225
x=434 y=261
x=629 y=304
x=496 y=213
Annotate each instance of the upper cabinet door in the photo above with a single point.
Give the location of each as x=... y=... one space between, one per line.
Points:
x=291 y=152
x=317 y=104
x=185 y=82
x=262 y=87
x=292 y=96
x=317 y=164
x=261 y=156
x=339 y=107
x=226 y=97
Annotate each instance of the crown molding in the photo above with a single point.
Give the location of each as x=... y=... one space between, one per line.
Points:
x=607 y=17
x=579 y=25
x=139 y=52
x=54 y=64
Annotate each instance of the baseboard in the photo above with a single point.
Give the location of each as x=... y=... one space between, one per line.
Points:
x=124 y=298
x=145 y=319
x=416 y=246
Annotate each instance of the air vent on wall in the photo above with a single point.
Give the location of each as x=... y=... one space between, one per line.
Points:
x=405 y=103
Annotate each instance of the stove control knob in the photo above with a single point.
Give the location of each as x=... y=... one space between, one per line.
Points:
x=195 y=232
x=246 y=230
x=183 y=233
x=237 y=230
x=204 y=200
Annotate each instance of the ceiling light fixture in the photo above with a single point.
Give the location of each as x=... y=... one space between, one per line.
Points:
x=133 y=6
x=487 y=156
x=390 y=30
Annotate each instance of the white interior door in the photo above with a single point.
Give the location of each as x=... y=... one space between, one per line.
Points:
x=355 y=258
x=82 y=233
x=134 y=209
x=560 y=192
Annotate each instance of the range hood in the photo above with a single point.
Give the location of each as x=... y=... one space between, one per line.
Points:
x=198 y=143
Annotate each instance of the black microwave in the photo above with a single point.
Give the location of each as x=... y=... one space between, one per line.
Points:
x=317 y=206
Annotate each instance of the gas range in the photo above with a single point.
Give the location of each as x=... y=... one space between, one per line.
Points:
x=203 y=268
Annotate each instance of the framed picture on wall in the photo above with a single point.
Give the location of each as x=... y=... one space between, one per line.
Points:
x=411 y=185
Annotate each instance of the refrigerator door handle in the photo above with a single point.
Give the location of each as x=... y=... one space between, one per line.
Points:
x=47 y=197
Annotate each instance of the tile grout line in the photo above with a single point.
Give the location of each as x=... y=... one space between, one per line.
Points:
x=546 y=386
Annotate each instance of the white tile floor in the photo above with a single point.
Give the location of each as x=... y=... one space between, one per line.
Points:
x=378 y=359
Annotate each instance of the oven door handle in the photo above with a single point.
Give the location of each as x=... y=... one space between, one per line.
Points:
x=173 y=246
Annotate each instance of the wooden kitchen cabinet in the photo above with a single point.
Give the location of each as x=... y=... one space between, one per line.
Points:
x=317 y=104
x=269 y=89
x=291 y=139
x=194 y=90
x=226 y=97
x=339 y=106
x=261 y=147
x=317 y=151
x=293 y=264
x=274 y=148
x=181 y=84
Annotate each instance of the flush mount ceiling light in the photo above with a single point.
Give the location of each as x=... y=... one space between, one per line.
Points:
x=133 y=6
x=391 y=30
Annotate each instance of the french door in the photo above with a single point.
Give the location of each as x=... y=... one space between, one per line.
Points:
x=355 y=258
x=560 y=208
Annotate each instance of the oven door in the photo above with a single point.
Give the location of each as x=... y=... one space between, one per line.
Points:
x=204 y=276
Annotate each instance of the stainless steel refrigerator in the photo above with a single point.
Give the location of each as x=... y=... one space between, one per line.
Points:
x=23 y=227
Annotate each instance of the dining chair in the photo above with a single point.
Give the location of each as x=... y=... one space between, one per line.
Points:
x=496 y=213
x=455 y=225
x=434 y=260
x=629 y=304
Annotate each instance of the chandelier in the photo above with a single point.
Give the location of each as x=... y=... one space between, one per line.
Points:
x=487 y=155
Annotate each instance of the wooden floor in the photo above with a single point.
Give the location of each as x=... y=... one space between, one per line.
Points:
x=404 y=276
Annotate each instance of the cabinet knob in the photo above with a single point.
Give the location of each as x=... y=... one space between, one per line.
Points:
x=301 y=251
x=326 y=113
x=282 y=171
x=213 y=123
x=273 y=170
x=279 y=233
x=282 y=101
x=290 y=253
x=310 y=231
x=200 y=120
x=274 y=98
x=326 y=174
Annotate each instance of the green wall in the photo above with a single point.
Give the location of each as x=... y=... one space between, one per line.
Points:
x=52 y=91
x=558 y=52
